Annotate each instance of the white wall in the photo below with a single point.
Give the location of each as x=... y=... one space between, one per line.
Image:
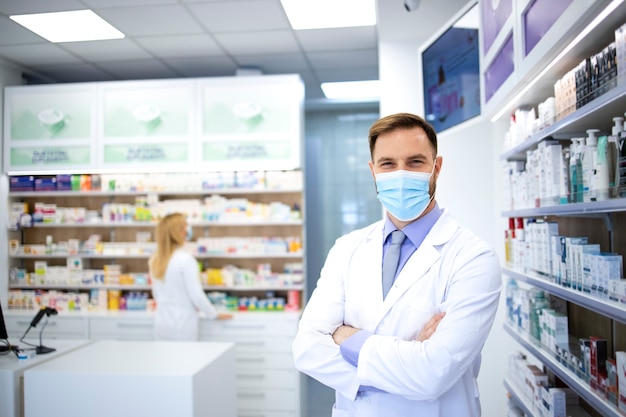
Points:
x=469 y=187
x=8 y=76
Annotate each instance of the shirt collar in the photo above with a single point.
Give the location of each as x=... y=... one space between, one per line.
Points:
x=415 y=231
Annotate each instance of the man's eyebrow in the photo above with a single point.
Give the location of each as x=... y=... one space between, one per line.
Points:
x=417 y=156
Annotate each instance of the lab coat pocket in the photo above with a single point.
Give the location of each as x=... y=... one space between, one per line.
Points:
x=420 y=311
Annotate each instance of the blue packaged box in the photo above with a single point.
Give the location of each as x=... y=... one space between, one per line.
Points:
x=64 y=182
x=46 y=184
x=22 y=183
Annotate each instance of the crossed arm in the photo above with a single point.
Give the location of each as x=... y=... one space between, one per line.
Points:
x=343 y=332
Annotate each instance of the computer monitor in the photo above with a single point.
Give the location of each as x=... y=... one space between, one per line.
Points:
x=3 y=328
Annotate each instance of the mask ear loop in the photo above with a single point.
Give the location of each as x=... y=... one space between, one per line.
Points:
x=432 y=172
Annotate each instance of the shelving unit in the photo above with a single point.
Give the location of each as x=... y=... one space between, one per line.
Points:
x=202 y=148
x=134 y=259
x=267 y=382
x=579 y=386
x=602 y=221
x=522 y=400
x=608 y=308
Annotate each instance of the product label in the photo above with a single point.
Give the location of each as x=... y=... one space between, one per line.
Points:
x=50 y=156
x=137 y=153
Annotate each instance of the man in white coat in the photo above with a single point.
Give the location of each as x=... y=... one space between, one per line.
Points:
x=412 y=349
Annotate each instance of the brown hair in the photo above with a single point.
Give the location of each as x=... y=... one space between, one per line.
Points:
x=168 y=238
x=401 y=121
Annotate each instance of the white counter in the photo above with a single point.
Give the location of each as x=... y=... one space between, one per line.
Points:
x=135 y=378
x=12 y=372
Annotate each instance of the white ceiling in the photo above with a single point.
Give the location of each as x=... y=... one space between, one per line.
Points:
x=204 y=38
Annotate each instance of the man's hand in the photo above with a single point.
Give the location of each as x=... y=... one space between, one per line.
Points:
x=429 y=328
x=343 y=332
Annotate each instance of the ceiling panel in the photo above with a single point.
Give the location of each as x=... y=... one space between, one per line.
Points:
x=11 y=7
x=136 y=70
x=76 y=73
x=338 y=39
x=126 y=3
x=241 y=16
x=343 y=59
x=275 y=63
x=203 y=38
x=153 y=20
x=255 y=43
x=109 y=50
x=38 y=54
x=203 y=67
x=181 y=46
x=13 y=34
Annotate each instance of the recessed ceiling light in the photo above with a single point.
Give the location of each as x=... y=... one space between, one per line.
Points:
x=73 y=26
x=352 y=89
x=322 y=14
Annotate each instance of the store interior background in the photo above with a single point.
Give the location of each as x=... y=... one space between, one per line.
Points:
x=339 y=189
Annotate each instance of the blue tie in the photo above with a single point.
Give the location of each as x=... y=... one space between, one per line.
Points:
x=390 y=263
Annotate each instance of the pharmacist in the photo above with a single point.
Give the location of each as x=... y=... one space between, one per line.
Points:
x=416 y=350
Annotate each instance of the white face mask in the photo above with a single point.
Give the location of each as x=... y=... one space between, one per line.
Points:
x=404 y=193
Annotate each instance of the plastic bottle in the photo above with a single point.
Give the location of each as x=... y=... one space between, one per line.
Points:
x=612 y=153
x=575 y=171
x=621 y=165
x=564 y=187
x=511 y=290
x=589 y=155
x=537 y=303
x=601 y=171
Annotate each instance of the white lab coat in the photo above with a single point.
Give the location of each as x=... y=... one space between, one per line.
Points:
x=179 y=295
x=452 y=271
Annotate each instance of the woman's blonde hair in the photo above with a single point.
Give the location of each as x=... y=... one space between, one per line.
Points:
x=168 y=238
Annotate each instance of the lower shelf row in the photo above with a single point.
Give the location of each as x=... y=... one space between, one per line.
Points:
x=100 y=299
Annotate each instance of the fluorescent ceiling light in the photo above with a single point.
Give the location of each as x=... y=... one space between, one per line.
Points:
x=73 y=26
x=352 y=89
x=322 y=14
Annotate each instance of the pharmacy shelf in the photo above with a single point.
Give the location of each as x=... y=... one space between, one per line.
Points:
x=298 y=287
x=240 y=223
x=80 y=287
x=286 y=255
x=579 y=386
x=525 y=403
x=582 y=209
x=598 y=112
x=521 y=399
x=98 y=193
x=79 y=255
x=608 y=308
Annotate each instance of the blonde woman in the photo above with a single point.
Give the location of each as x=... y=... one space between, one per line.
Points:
x=176 y=284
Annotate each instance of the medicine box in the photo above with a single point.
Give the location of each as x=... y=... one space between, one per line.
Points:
x=46 y=184
x=620 y=360
x=64 y=182
x=22 y=183
x=598 y=357
x=534 y=379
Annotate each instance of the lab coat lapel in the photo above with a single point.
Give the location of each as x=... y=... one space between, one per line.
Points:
x=414 y=270
x=418 y=265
